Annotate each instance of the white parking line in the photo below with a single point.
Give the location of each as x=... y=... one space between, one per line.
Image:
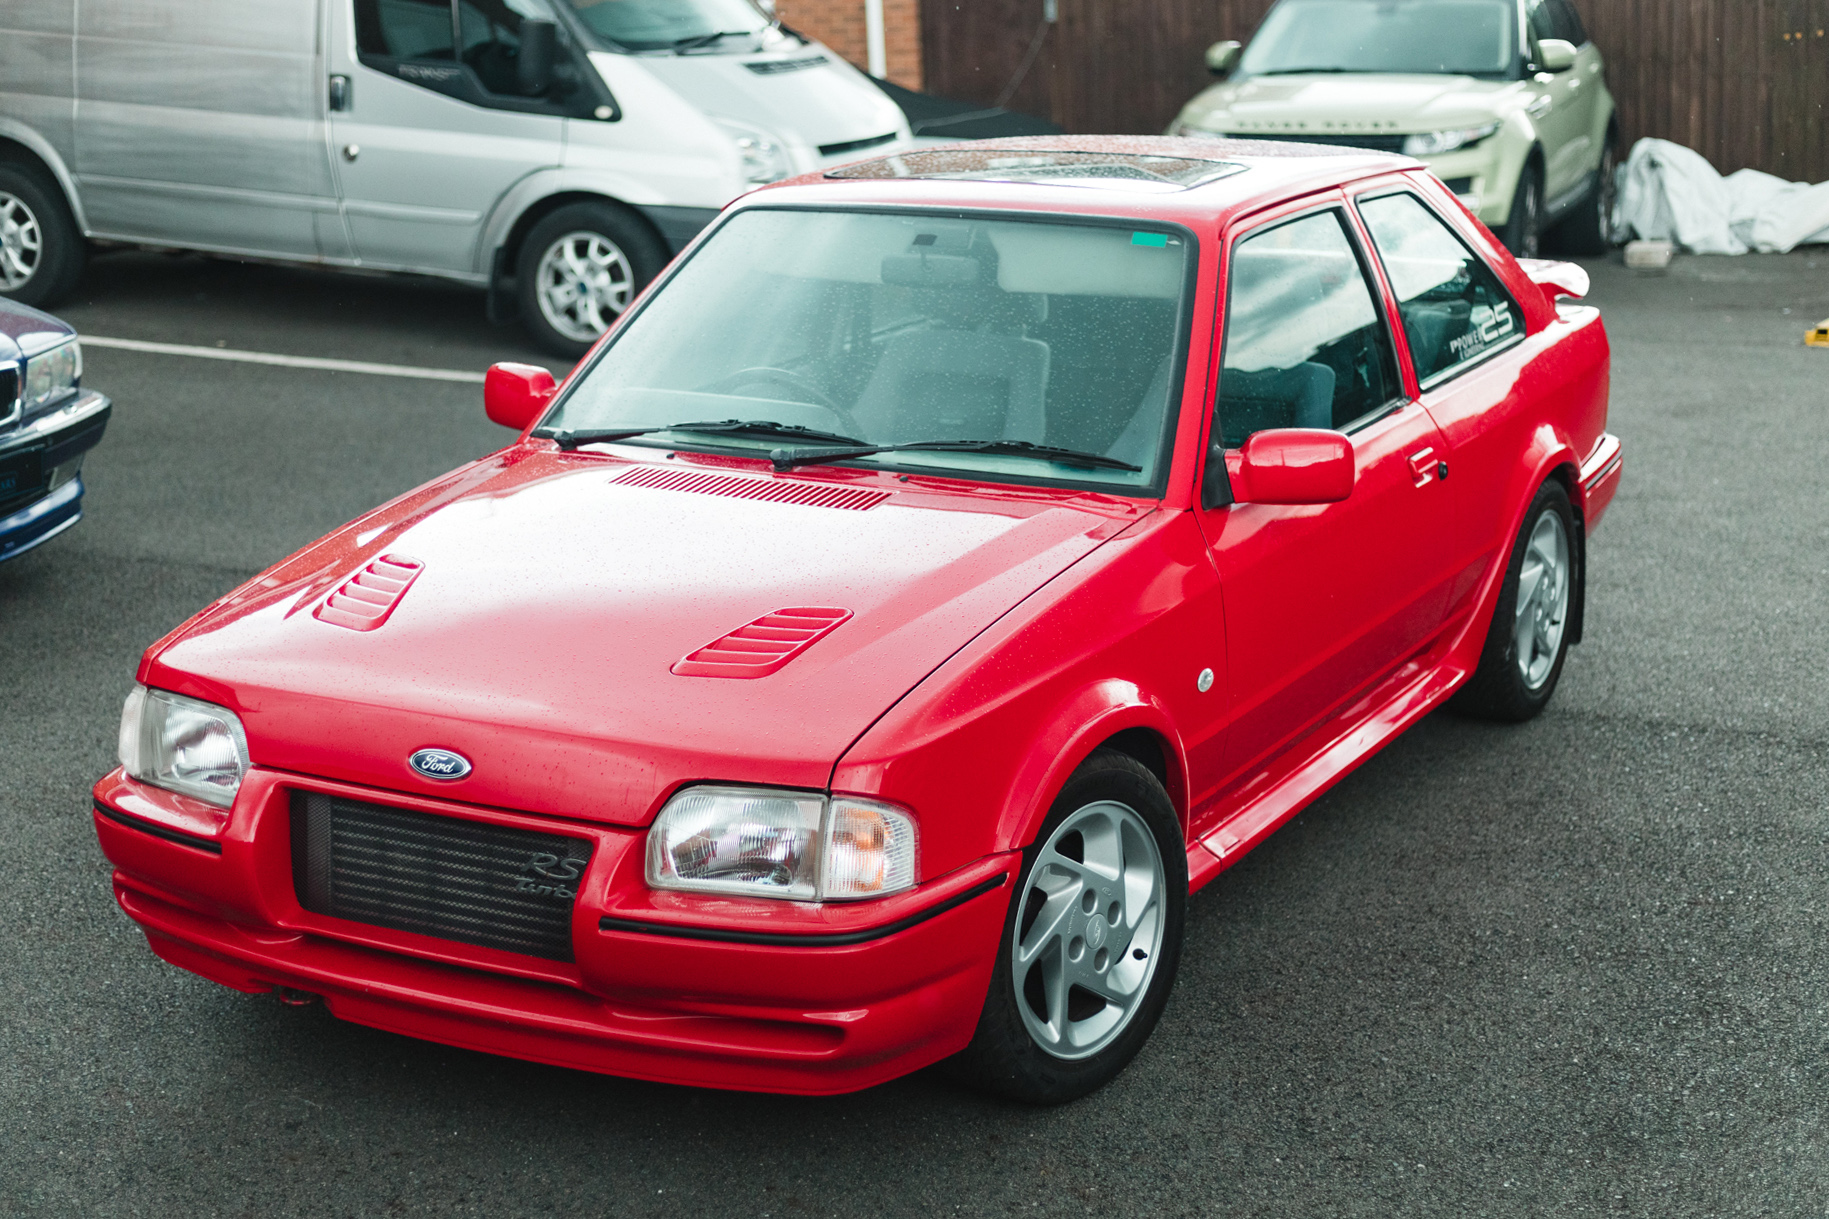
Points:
x=268 y=357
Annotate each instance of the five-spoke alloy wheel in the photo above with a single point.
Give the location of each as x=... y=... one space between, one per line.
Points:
x=1533 y=624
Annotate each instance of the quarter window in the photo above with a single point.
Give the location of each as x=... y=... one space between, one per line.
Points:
x=1454 y=310
x=1305 y=343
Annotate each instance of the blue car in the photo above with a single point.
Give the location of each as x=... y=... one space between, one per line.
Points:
x=47 y=422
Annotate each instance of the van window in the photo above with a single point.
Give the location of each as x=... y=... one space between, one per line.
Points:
x=491 y=38
x=650 y=25
x=404 y=29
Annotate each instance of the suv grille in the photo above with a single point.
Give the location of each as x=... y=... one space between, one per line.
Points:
x=489 y=885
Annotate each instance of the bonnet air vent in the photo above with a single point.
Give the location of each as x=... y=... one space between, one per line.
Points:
x=774 y=490
x=764 y=646
x=775 y=67
x=369 y=596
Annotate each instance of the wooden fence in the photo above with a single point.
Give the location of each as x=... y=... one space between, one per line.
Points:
x=1744 y=82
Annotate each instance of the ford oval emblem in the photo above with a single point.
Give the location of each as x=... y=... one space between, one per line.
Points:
x=440 y=764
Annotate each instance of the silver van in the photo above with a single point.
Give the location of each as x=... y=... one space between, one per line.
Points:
x=555 y=152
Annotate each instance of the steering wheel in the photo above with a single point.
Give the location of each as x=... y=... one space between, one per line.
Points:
x=809 y=393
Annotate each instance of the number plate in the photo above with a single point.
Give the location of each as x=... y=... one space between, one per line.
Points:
x=20 y=473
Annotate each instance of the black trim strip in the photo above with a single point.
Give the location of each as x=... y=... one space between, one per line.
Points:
x=159 y=831
x=782 y=940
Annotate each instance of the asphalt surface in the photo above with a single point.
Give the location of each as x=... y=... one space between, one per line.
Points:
x=1575 y=967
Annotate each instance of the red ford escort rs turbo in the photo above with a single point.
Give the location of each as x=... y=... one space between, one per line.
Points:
x=949 y=565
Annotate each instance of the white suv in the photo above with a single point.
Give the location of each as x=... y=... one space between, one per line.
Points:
x=1506 y=100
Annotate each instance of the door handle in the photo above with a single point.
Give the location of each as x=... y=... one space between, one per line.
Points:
x=339 y=93
x=1426 y=467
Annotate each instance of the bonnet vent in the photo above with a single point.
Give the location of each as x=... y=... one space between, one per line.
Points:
x=764 y=646
x=774 y=490
x=369 y=596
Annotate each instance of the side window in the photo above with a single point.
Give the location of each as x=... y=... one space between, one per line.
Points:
x=491 y=39
x=1454 y=309
x=405 y=29
x=1572 y=28
x=1305 y=345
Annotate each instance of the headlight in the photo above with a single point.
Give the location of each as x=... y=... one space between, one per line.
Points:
x=53 y=373
x=765 y=843
x=1434 y=143
x=190 y=747
x=764 y=159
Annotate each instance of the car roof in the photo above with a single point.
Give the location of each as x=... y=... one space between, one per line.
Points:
x=1190 y=181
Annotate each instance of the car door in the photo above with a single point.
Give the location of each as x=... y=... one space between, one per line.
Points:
x=431 y=134
x=1564 y=125
x=1321 y=601
x=202 y=124
x=1465 y=337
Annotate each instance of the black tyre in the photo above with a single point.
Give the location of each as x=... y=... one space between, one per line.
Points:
x=579 y=268
x=1523 y=234
x=1589 y=229
x=1093 y=938
x=41 y=252
x=1530 y=633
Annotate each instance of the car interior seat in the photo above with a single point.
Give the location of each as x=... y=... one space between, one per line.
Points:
x=1302 y=396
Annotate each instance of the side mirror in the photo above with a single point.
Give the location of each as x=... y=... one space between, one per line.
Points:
x=1555 y=55
x=1295 y=466
x=533 y=63
x=514 y=395
x=1222 y=57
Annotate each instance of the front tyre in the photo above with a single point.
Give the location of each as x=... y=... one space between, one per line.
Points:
x=578 y=269
x=41 y=251
x=1523 y=234
x=1091 y=943
x=1529 y=637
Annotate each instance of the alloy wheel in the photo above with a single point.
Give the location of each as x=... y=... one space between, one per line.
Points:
x=1090 y=926
x=583 y=283
x=21 y=243
x=1542 y=611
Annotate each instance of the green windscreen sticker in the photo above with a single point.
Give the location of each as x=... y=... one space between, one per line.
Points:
x=1159 y=241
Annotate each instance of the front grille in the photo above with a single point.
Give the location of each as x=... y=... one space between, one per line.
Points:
x=9 y=392
x=489 y=885
x=1376 y=143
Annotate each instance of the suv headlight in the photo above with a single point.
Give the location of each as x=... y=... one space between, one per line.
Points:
x=1434 y=143
x=765 y=160
x=183 y=745
x=52 y=373
x=761 y=842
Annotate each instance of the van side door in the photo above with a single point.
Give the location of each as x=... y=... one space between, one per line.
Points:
x=435 y=125
x=202 y=124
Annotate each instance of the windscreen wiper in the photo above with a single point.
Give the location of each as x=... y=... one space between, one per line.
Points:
x=787 y=459
x=756 y=427
x=679 y=45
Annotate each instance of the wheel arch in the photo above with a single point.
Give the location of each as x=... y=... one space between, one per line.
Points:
x=21 y=145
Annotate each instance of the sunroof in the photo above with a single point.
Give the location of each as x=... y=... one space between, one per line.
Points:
x=1108 y=169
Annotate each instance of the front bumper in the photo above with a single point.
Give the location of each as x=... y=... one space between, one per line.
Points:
x=53 y=445
x=744 y=994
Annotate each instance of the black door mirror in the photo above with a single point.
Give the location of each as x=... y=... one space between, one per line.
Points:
x=533 y=64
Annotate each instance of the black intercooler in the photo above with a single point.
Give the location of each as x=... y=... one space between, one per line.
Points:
x=490 y=885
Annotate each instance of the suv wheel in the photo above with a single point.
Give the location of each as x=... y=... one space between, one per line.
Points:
x=579 y=268
x=41 y=253
x=1523 y=234
x=1590 y=229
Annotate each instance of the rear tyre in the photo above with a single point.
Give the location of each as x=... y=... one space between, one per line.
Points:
x=579 y=269
x=1589 y=230
x=1523 y=234
x=41 y=252
x=1091 y=943
x=1529 y=637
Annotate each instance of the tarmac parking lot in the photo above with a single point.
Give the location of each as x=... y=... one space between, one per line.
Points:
x=1575 y=967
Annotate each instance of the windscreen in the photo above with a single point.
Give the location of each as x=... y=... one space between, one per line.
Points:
x=1453 y=37
x=1016 y=350
x=646 y=25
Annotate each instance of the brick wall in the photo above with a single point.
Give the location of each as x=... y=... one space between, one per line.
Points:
x=840 y=25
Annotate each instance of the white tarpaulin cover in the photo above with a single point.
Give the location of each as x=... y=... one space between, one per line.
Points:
x=1670 y=193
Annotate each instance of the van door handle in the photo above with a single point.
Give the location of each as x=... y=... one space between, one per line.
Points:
x=1426 y=467
x=339 y=93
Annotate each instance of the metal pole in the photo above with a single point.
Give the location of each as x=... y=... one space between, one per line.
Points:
x=875 y=45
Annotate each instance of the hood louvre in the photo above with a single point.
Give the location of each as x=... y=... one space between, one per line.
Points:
x=773 y=490
x=368 y=597
x=763 y=646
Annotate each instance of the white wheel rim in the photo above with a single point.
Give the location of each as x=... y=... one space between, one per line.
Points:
x=1542 y=611
x=1088 y=930
x=21 y=243
x=583 y=282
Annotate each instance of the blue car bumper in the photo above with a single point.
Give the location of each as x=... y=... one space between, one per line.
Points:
x=41 y=521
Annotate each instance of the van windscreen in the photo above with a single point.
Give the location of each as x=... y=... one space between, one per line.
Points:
x=655 y=25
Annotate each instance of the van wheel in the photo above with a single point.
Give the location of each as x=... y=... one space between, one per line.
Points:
x=1529 y=636
x=579 y=268
x=41 y=252
x=1091 y=943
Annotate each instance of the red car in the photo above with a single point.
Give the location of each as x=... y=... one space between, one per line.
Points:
x=877 y=638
